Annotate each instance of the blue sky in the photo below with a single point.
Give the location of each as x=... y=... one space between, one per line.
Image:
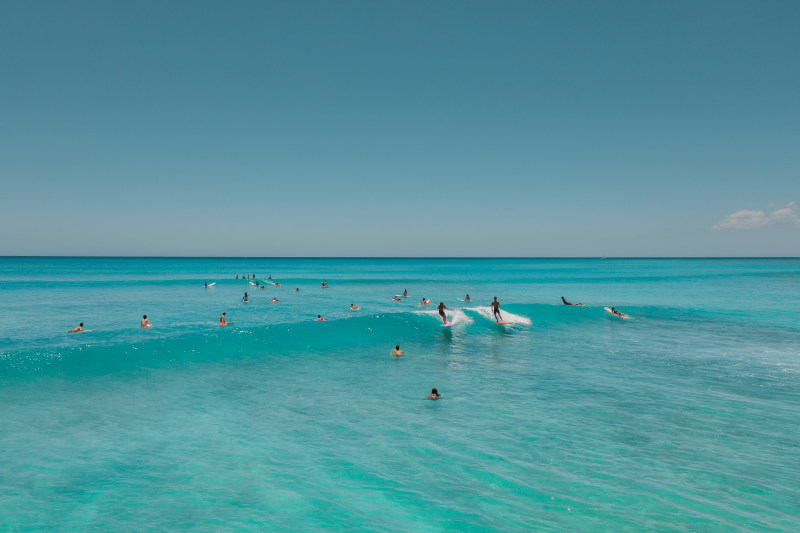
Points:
x=400 y=129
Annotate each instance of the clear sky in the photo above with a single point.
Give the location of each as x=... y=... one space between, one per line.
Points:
x=435 y=128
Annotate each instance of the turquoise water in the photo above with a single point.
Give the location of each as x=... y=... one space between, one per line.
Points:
x=682 y=418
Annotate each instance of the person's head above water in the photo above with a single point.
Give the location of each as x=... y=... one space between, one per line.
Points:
x=81 y=324
x=144 y=316
x=434 y=391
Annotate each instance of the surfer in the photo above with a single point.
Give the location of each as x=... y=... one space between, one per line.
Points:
x=397 y=352
x=273 y=301
x=434 y=395
x=405 y=293
x=324 y=284
x=496 y=310
x=206 y=284
x=397 y=298
x=354 y=307
x=441 y=307
x=245 y=297
x=76 y=330
x=297 y=289
x=222 y=321
x=567 y=303
x=466 y=298
x=146 y=323
x=615 y=312
x=424 y=302
x=321 y=319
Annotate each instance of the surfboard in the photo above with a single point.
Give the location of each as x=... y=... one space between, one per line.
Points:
x=210 y=284
x=503 y=323
x=447 y=324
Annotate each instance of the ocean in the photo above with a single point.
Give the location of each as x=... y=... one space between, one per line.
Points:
x=683 y=417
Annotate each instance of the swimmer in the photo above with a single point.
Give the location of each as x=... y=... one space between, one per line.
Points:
x=434 y=395
x=222 y=321
x=567 y=303
x=245 y=297
x=273 y=301
x=321 y=319
x=466 y=298
x=496 y=310
x=324 y=284
x=397 y=352
x=441 y=307
x=146 y=323
x=354 y=307
x=76 y=330
x=424 y=302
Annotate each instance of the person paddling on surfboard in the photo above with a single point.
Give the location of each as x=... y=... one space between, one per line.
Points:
x=441 y=307
x=567 y=303
x=76 y=330
x=496 y=310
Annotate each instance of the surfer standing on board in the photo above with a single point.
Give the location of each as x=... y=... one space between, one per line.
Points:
x=496 y=310
x=441 y=307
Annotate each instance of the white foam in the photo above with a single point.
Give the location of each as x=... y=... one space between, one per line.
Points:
x=486 y=312
x=456 y=316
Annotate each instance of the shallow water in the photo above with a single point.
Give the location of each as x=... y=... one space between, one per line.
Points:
x=683 y=417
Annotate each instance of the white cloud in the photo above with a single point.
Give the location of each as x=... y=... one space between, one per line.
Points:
x=750 y=219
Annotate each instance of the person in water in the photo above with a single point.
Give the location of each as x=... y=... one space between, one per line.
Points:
x=222 y=320
x=274 y=301
x=354 y=307
x=466 y=298
x=397 y=298
x=434 y=395
x=76 y=330
x=441 y=307
x=245 y=297
x=206 y=284
x=324 y=284
x=297 y=289
x=146 y=323
x=424 y=302
x=405 y=293
x=321 y=318
x=567 y=303
x=496 y=310
x=615 y=312
x=397 y=352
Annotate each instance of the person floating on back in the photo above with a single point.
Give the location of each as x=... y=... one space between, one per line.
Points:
x=567 y=303
x=222 y=320
x=496 y=310
x=76 y=330
x=434 y=395
x=441 y=307
x=146 y=323
x=397 y=352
